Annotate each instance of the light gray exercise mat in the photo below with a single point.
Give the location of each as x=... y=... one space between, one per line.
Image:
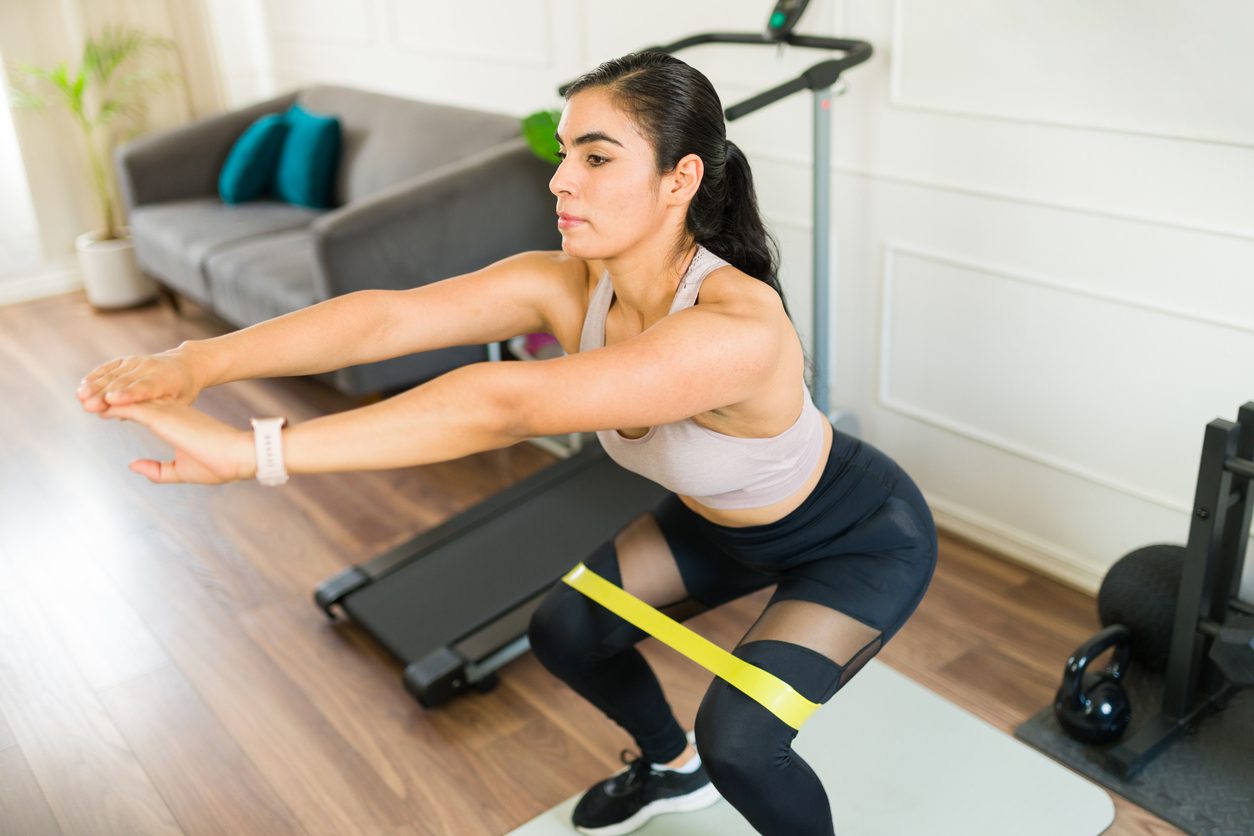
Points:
x=896 y=759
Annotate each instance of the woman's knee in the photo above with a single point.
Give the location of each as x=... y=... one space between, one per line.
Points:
x=735 y=734
x=567 y=622
x=562 y=627
x=739 y=739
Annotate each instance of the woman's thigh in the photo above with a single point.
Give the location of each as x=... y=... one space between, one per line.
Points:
x=709 y=575
x=879 y=574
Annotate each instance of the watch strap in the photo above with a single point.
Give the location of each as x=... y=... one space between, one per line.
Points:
x=268 y=443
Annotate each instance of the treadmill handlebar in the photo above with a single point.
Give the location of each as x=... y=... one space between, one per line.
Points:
x=820 y=76
x=766 y=97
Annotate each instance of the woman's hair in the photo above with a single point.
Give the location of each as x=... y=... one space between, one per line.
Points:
x=676 y=108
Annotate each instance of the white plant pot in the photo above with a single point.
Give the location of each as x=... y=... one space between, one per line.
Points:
x=110 y=272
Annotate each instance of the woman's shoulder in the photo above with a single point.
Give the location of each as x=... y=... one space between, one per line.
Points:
x=734 y=290
x=571 y=275
x=569 y=283
x=554 y=262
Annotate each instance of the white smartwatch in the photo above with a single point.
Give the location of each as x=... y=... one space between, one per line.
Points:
x=268 y=441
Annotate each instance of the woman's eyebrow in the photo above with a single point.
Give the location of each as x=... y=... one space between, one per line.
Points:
x=593 y=136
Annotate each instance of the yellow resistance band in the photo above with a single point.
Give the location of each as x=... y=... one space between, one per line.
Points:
x=775 y=695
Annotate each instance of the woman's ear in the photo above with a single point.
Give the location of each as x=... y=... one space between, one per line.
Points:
x=684 y=179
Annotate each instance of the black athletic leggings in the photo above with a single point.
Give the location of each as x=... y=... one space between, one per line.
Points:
x=862 y=544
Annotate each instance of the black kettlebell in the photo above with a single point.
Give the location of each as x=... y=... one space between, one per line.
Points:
x=1092 y=706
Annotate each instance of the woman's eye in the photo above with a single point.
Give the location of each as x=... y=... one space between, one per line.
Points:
x=594 y=160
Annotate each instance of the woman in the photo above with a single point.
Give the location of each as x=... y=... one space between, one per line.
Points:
x=682 y=356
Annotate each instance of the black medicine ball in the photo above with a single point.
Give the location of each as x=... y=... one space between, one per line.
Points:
x=1140 y=591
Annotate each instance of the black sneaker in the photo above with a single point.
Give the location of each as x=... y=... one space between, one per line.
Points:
x=626 y=801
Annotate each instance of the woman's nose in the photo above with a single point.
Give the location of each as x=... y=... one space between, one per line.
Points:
x=560 y=183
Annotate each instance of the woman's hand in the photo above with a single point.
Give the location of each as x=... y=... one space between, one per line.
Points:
x=206 y=451
x=126 y=380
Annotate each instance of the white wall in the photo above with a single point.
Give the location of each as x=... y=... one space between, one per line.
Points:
x=1044 y=218
x=1054 y=273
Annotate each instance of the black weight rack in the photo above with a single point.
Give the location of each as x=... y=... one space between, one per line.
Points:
x=1212 y=643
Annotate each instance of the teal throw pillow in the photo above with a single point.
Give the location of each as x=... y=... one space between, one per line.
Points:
x=307 y=165
x=251 y=163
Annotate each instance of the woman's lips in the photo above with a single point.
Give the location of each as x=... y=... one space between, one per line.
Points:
x=565 y=221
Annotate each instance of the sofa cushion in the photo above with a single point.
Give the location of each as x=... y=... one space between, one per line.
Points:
x=263 y=277
x=250 y=165
x=173 y=240
x=387 y=139
x=310 y=155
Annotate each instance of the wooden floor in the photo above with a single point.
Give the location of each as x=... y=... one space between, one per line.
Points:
x=163 y=669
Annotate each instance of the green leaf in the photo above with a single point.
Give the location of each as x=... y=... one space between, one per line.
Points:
x=104 y=54
x=91 y=59
x=33 y=74
x=110 y=108
x=60 y=76
x=539 y=129
x=145 y=80
x=113 y=109
x=75 y=92
x=25 y=99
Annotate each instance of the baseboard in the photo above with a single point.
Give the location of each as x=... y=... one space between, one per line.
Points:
x=50 y=280
x=1017 y=546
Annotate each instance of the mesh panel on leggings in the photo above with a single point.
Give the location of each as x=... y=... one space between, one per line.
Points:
x=647 y=566
x=844 y=640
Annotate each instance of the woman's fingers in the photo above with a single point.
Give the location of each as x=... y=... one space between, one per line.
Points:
x=162 y=473
x=156 y=392
x=103 y=369
x=135 y=379
x=206 y=451
x=150 y=414
x=93 y=390
x=128 y=390
x=92 y=401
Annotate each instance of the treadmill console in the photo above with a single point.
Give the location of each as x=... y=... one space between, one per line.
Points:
x=783 y=18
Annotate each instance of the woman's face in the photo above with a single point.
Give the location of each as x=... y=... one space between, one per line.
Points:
x=609 y=195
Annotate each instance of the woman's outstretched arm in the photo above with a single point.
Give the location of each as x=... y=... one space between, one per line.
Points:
x=510 y=297
x=452 y=416
x=693 y=361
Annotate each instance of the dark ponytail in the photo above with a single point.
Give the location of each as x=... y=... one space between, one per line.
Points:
x=738 y=235
x=678 y=110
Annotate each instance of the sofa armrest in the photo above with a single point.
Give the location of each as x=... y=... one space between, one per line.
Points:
x=454 y=220
x=185 y=161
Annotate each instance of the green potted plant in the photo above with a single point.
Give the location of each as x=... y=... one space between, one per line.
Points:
x=106 y=95
x=538 y=129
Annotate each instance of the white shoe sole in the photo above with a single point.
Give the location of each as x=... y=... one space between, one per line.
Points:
x=693 y=801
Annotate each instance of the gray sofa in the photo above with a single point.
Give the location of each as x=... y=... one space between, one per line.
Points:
x=423 y=192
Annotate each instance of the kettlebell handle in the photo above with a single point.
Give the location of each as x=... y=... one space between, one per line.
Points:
x=1115 y=634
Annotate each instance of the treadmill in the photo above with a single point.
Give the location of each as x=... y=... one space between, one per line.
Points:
x=452 y=604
